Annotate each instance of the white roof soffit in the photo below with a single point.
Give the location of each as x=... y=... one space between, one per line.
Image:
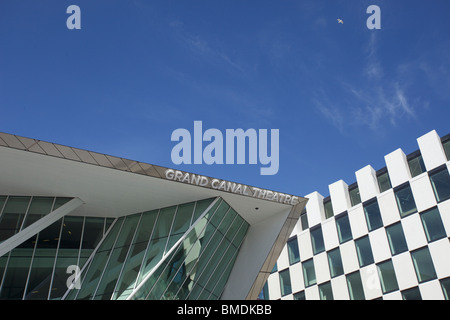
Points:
x=113 y=186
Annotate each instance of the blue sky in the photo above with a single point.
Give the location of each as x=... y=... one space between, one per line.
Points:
x=341 y=95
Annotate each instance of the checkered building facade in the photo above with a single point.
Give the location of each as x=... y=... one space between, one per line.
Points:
x=386 y=236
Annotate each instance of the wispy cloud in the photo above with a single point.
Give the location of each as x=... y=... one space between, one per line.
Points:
x=373 y=102
x=200 y=45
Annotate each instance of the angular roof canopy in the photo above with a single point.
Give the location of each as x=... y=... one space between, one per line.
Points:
x=113 y=187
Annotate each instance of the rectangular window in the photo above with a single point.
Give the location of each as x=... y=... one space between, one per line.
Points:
x=304 y=220
x=423 y=264
x=355 y=288
x=387 y=276
x=317 y=239
x=384 y=183
x=300 y=295
x=412 y=294
x=373 y=215
x=325 y=291
x=364 y=251
x=446 y=145
x=432 y=224
x=335 y=262
x=405 y=200
x=416 y=165
x=293 y=252
x=445 y=284
x=355 y=197
x=440 y=180
x=343 y=228
x=285 y=282
x=328 y=208
x=309 y=273
x=396 y=238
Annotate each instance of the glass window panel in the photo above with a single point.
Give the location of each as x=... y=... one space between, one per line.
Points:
x=445 y=284
x=405 y=201
x=416 y=166
x=16 y=274
x=39 y=207
x=355 y=287
x=328 y=209
x=60 y=201
x=317 y=240
x=201 y=206
x=355 y=197
x=304 y=221
x=441 y=184
x=183 y=217
x=446 y=146
x=309 y=273
x=93 y=232
x=96 y=267
x=364 y=251
x=40 y=275
x=412 y=294
x=387 y=276
x=65 y=258
x=49 y=237
x=384 y=183
x=432 y=224
x=117 y=258
x=285 y=282
x=300 y=295
x=343 y=228
x=12 y=216
x=335 y=263
x=2 y=203
x=423 y=264
x=293 y=252
x=71 y=233
x=396 y=238
x=325 y=291
x=373 y=216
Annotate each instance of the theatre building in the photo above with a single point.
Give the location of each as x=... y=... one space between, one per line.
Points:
x=80 y=225
x=384 y=236
x=76 y=224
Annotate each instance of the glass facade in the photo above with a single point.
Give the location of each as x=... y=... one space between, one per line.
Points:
x=181 y=252
x=37 y=269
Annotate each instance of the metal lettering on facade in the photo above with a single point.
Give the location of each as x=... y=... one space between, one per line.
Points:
x=228 y=186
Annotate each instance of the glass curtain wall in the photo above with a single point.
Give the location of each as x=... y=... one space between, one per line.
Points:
x=37 y=269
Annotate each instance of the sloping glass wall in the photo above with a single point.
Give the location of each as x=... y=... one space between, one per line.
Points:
x=180 y=252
